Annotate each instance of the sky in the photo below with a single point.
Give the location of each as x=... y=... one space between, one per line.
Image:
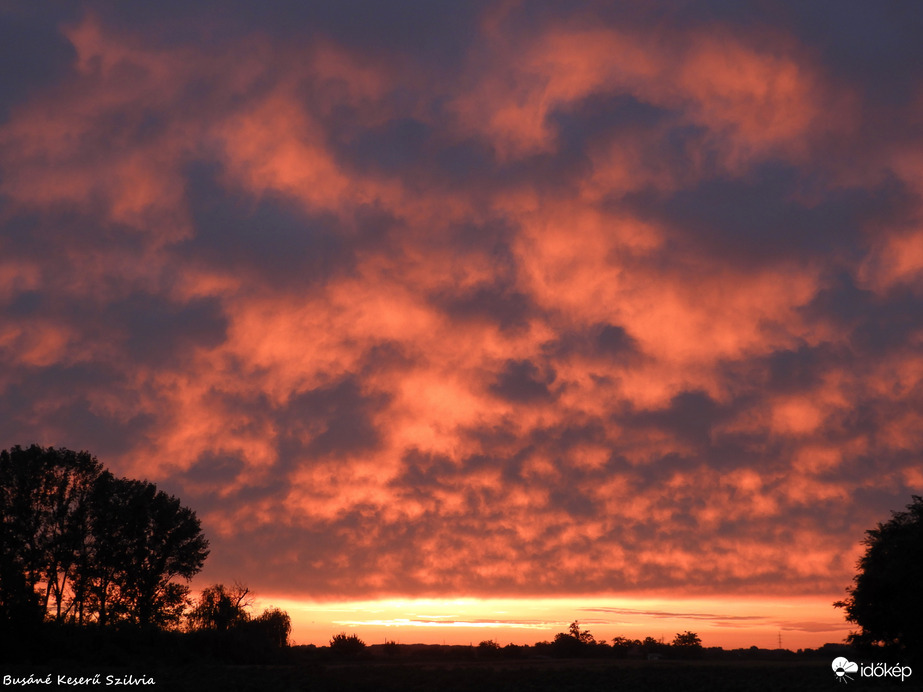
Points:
x=499 y=313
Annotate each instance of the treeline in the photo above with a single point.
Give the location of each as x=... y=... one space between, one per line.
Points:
x=576 y=643
x=91 y=559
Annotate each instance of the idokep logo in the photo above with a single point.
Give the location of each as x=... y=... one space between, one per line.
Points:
x=842 y=667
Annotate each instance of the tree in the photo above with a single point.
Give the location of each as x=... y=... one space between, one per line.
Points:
x=886 y=599
x=81 y=544
x=220 y=608
x=274 y=627
x=652 y=646
x=584 y=637
x=621 y=646
x=143 y=540
x=575 y=642
x=347 y=646
x=488 y=649
x=44 y=505
x=687 y=645
x=221 y=624
x=687 y=640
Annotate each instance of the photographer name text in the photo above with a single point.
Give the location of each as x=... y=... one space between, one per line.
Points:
x=74 y=681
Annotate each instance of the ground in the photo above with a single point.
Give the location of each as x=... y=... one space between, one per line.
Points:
x=481 y=676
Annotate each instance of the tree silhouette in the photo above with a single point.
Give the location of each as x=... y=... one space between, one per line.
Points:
x=347 y=646
x=220 y=608
x=273 y=626
x=220 y=626
x=886 y=599
x=687 y=639
x=583 y=636
x=81 y=544
x=621 y=646
x=488 y=647
x=44 y=504
x=142 y=539
x=687 y=645
x=575 y=642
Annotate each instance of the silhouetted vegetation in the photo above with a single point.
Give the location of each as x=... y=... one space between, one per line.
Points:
x=886 y=599
x=221 y=627
x=98 y=566
x=575 y=643
x=220 y=608
x=80 y=545
x=686 y=645
x=347 y=646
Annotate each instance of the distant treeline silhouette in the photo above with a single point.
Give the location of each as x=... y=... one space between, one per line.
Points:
x=91 y=559
x=575 y=643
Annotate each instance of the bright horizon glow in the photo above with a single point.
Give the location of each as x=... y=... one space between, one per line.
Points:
x=802 y=622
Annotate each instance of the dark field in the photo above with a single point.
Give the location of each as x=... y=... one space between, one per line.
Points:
x=446 y=676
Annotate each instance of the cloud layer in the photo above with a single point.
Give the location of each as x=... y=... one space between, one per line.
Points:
x=506 y=299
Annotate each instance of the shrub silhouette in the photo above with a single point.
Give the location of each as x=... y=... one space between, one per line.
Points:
x=346 y=646
x=488 y=649
x=221 y=627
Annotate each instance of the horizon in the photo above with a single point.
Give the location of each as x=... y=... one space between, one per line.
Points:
x=516 y=303
x=801 y=623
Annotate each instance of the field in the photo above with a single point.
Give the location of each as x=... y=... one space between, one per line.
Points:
x=481 y=676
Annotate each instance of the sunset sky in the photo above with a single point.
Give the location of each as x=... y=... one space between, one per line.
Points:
x=461 y=320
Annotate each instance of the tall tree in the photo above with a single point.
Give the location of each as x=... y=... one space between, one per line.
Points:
x=80 y=543
x=44 y=505
x=143 y=540
x=886 y=599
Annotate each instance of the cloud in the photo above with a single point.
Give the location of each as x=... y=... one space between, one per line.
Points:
x=508 y=300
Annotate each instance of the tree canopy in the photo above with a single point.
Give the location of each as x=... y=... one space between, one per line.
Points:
x=886 y=599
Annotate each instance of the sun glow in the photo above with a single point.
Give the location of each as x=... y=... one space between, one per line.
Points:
x=805 y=622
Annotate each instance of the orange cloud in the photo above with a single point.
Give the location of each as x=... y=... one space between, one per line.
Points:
x=405 y=328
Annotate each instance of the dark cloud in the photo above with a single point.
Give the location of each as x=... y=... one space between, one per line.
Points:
x=801 y=369
x=466 y=162
x=266 y=238
x=33 y=52
x=336 y=420
x=396 y=146
x=433 y=32
x=60 y=405
x=52 y=405
x=498 y=302
x=160 y=332
x=690 y=416
x=770 y=215
x=878 y=323
x=866 y=44
x=215 y=469
x=608 y=341
x=521 y=381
